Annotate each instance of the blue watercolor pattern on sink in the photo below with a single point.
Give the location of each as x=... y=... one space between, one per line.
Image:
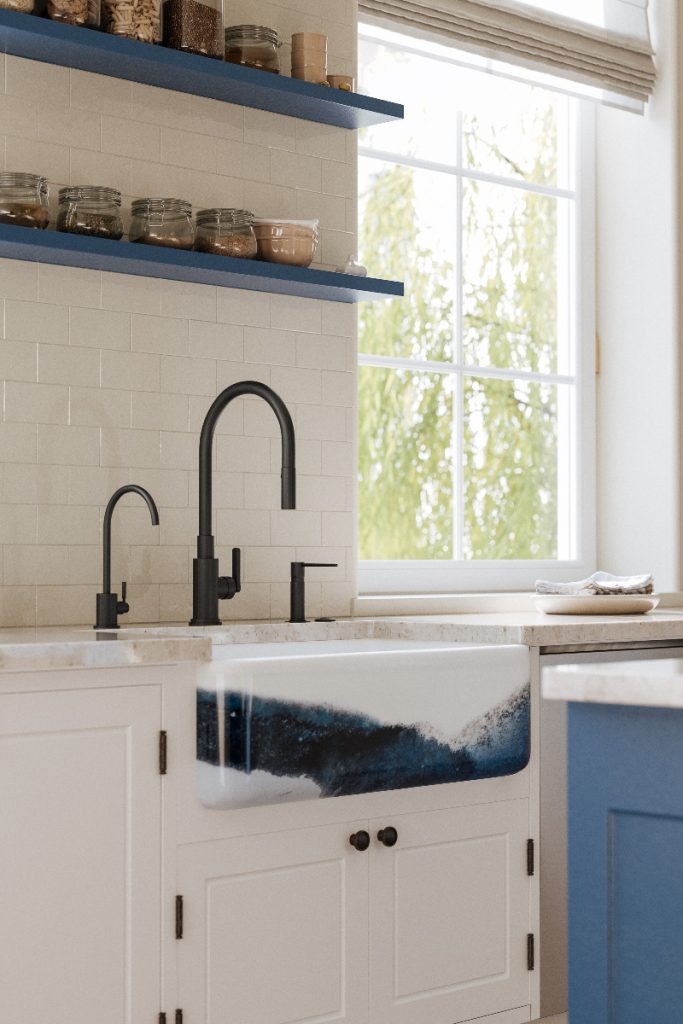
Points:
x=316 y=750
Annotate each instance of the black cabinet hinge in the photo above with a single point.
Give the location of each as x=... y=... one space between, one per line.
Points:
x=530 y=952
x=179 y=1017
x=530 y=857
x=179 y=915
x=163 y=752
x=162 y=1018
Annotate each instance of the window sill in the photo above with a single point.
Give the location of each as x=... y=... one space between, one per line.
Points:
x=441 y=604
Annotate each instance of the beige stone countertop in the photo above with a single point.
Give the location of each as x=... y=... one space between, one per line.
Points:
x=654 y=684
x=38 y=650
x=524 y=627
x=23 y=650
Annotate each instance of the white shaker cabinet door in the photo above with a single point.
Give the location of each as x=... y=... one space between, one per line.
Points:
x=274 y=929
x=80 y=856
x=449 y=913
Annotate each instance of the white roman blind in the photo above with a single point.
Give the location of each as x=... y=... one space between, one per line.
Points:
x=615 y=54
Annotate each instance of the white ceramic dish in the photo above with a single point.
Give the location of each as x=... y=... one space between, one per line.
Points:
x=596 y=604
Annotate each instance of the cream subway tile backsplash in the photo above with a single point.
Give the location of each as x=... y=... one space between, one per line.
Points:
x=106 y=379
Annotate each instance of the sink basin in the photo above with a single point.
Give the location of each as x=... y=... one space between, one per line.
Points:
x=290 y=721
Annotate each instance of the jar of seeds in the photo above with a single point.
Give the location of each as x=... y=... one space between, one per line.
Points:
x=23 y=200
x=90 y=210
x=75 y=12
x=195 y=26
x=135 y=19
x=162 y=222
x=226 y=232
x=26 y=6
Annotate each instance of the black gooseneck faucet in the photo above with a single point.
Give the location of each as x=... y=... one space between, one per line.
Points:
x=208 y=588
x=108 y=605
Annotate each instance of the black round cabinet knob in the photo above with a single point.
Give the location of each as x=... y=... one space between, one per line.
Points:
x=388 y=836
x=360 y=840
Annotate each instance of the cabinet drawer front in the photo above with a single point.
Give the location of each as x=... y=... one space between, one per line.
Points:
x=449 y=913
x=275 y=929
x=79 y=856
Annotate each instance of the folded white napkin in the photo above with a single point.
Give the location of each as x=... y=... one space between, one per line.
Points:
x=600 y=583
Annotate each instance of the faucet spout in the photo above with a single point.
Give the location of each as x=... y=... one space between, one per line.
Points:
x=108 y=605
x=208 y=588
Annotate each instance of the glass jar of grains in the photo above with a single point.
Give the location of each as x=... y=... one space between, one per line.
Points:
x=255 y=46
x=26 y=6
x=75 y=12
x=135 y=19
x=90 y=210
x=195 y=26
x=226 y=232
x=23 y=200
x=162 y=222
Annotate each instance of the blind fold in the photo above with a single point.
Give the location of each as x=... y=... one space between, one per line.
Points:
x=531 y=38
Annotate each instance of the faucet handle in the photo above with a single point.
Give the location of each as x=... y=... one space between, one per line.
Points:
x=228 y=586
x=122 y=606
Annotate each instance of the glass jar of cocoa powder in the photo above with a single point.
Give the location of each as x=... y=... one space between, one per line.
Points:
x=23 y=200
x=90 y=210
x=226 y=232
x=195 y=26
x=162 y=222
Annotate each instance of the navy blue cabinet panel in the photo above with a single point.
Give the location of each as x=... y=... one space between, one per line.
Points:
x=625 y=857
x=41 y=39
x=175 y=265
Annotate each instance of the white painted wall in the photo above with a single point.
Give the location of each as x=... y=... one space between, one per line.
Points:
x=638 y=185
x=105 y=379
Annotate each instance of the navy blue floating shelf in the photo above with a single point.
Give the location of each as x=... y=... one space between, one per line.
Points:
x=175 y=265
x=26 y=35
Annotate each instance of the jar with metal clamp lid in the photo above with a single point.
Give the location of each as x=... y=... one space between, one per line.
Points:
x=23 y=200
x=162 y=222
x=90 y=210
x=226 y=232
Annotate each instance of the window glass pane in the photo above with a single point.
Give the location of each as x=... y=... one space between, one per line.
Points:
x=510 y=460
x=513 y=243
x=426 y=88
x=408 y=232
x=406 y=465
x=512 y=130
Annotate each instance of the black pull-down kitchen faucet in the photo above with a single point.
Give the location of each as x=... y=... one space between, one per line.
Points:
x=208 y=588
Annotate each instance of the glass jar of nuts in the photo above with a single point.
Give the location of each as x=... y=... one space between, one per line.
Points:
x=90 y=210
x=23 y=200
x=226 y=232
x=135 y=19
x=75 y=12
x=162 y=222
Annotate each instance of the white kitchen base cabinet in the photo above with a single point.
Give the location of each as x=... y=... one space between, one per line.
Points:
x=298 y=925
x=274 y=929
x=80 y=837
x=449 y=916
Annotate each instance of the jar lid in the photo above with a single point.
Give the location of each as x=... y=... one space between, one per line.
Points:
x=98 y=193
x=19 y=179
x=225 y=215
x=252 y=33
x=154 y=205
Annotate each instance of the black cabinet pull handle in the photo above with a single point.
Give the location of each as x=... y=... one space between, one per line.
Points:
x=388 y=836
x=360 y=840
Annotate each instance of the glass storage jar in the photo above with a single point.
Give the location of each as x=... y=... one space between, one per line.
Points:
x=23 y=200
x=26 y=6
x=162 y=222
x=135 y=19
x=195 y=26
x=226 y=232
x=255 y=46
x=90 y=210
x=75 y=12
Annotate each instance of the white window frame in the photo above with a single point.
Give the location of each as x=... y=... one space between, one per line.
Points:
x=480 y=576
